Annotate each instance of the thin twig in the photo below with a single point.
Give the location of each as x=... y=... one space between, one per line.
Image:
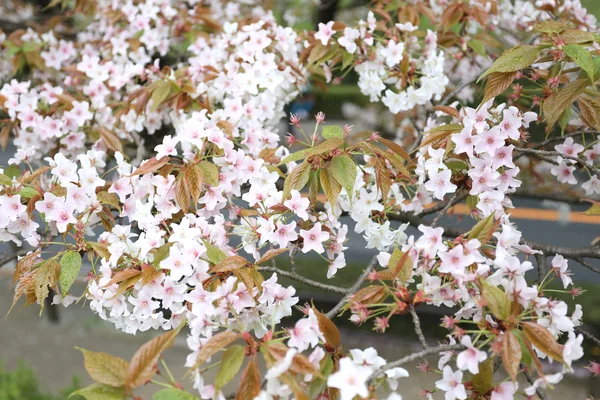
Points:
x=418 y=330
x=586 y=264
x=307 y=281
x=541 y=394
x=457 y=90
x=541 y=265
x=557 y=154
x=361 y=279
x=552 y=140
x=441 y=205
x=416 y=356
x=293 y=258
x=588 y=335
x=445 y=209
x=9 y=258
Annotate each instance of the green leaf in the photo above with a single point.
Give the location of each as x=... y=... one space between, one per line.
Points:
x=110 y=199
x=30 y=46
x=173 y=394
x=70 y=264
x=161 y=253
x=105 y=368
x=478 y=47
x=12 y=171
x=483 y=229
x=297 y=179
x=210 y=172
x=332 y=131
x=28 y=192
x=472 y=201
x=5 y=180
x=526 y=357
x=97 y=391
x=581 y=57
x=497 y=301
x=160 y=94
x=577 y=36
x=327 y=145
x=230 y=365
x=215 y=255
x=343 y=169
x=330 y=186
x=456 y=165
x=401 y=265
x=593 y=210
x=514 y=59
x=347 y=60
x=550 y=27
x=319 y=383
x=46 y=275
x=482 y=382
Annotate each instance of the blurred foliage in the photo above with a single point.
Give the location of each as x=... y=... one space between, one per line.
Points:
x=21 y=384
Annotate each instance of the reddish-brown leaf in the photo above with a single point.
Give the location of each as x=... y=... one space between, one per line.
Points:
x=369 y=295
x=543 y=340
x=214 y=344
x=300 y=363
x=452 y=111
x=123 y=275
x=588 y=111
x=384 y=182
x=151 y=165
x=230 y=264
x=250 y=384
x=511 y=354
x=328 y=329
x=24 y=265
x=143 y=363
x=149 y=273
x=111 y=141
x=45 y=276
x=270 y=254
x=497 y=83
x=396 y=148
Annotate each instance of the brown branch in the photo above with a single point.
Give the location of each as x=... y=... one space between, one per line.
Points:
x=541 y=394
x=9 y=258
x=557 y=154
x=455 y=199
x=586 y=264
x=418 y=330
x=361 y=279
x=416 y=356
x=588 y=335
x=541 y=266
x=307 y=281
x=440 y=206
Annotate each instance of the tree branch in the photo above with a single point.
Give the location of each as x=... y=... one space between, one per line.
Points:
x=541 y=394
x=416 y=356
x=588 y=335
x=9 y=258
x=557 y=154
x=307 y=281
x=361 y=279
x=418 y=330
x=586 y=264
